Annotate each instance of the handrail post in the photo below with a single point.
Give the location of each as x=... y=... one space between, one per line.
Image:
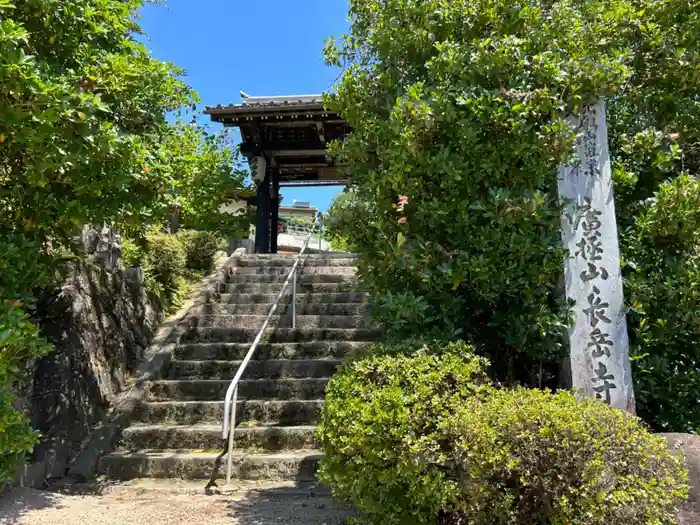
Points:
x=232 y=427
x=294 y=301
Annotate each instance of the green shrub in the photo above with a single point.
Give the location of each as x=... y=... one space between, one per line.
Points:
x=162 y=258
x=133 y=255
x=179 y=295
x=223 y=244
x=19 y=342
x=664 y=325
x=417 y=435
x=529 y=457
x=662 y=284
x=200 y=248
x=400 y=312
x=24 y=268
x=166 y=261
x=380 y=428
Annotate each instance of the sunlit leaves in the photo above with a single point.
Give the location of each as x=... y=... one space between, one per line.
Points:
x=460 y=105
x=80 y=116
x=83 y=109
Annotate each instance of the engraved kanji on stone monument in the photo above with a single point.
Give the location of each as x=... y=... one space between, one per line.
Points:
x=598 y=340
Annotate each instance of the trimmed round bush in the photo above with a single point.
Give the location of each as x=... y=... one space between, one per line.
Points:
x=380 y=430
x=166 y=260
x=531 y=457
x=200 y=248
x=422 y=437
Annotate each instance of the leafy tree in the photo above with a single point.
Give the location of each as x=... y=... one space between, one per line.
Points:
x=455 y=106
x=459 y=107
x=83 y=139
x=82 y=103
x=202 y=170
x=335 y=220
x=654 y=124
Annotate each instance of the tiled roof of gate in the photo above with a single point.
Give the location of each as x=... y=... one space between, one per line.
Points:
x=280 y=102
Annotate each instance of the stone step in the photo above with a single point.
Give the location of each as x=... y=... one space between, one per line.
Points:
x=286 y=412
x=270 y=369
x=287 y=465
x=208 y=437
x=302 y=298
x=279 y=279
x=237 y=351
x=274 y=288
x=302 y=308
x=302 y=270
x=277 y=335
x=281 y=321
x=288 y=260
x=215 y=389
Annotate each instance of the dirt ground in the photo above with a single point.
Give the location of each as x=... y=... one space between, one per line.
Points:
x=148 y=503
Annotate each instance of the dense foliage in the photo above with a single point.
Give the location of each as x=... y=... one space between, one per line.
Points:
x=200 y=249
x=333 y=221
x=82 y=105
x=171 y=263
x=529 y=457
x=457 y=113
x=84 y=139
x=202 y=171
x=424 y=439
x=382 y=414
x=663 y=287
x=19 y=343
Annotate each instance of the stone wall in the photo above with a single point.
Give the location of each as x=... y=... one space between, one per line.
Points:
x=100 y=323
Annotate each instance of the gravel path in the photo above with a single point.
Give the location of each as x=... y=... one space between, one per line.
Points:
x=282 y=504
x=148 y=503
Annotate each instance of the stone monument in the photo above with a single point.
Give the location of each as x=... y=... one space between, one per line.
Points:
x=598 y=341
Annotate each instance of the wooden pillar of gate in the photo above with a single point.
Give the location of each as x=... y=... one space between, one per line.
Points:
x=262 y=219
x=275 y=212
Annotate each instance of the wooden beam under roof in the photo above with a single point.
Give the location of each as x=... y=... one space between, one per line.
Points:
x=301 y=149
x=321 y=152
x=312 y=184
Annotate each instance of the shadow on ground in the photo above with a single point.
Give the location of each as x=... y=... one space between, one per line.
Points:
x=16 y=503
x=303 y=503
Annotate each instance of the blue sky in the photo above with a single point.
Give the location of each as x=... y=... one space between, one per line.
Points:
x=263 y=47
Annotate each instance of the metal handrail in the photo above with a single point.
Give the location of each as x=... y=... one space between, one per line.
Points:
x=232 y=393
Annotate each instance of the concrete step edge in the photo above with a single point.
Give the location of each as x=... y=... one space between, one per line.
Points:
x=299 y=344
x=238 y=362
x=196 y=453
x=302 y=298
x=215 y=389
x=243 y=381
x=294 y=465
x=251 y=278
x=302 y=320
x=279 y=334
x=284 y=270
x=256 y=369
x=214 y=428
x=240 y=402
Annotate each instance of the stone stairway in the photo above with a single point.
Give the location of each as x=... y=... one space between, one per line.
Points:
x=176 y=431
